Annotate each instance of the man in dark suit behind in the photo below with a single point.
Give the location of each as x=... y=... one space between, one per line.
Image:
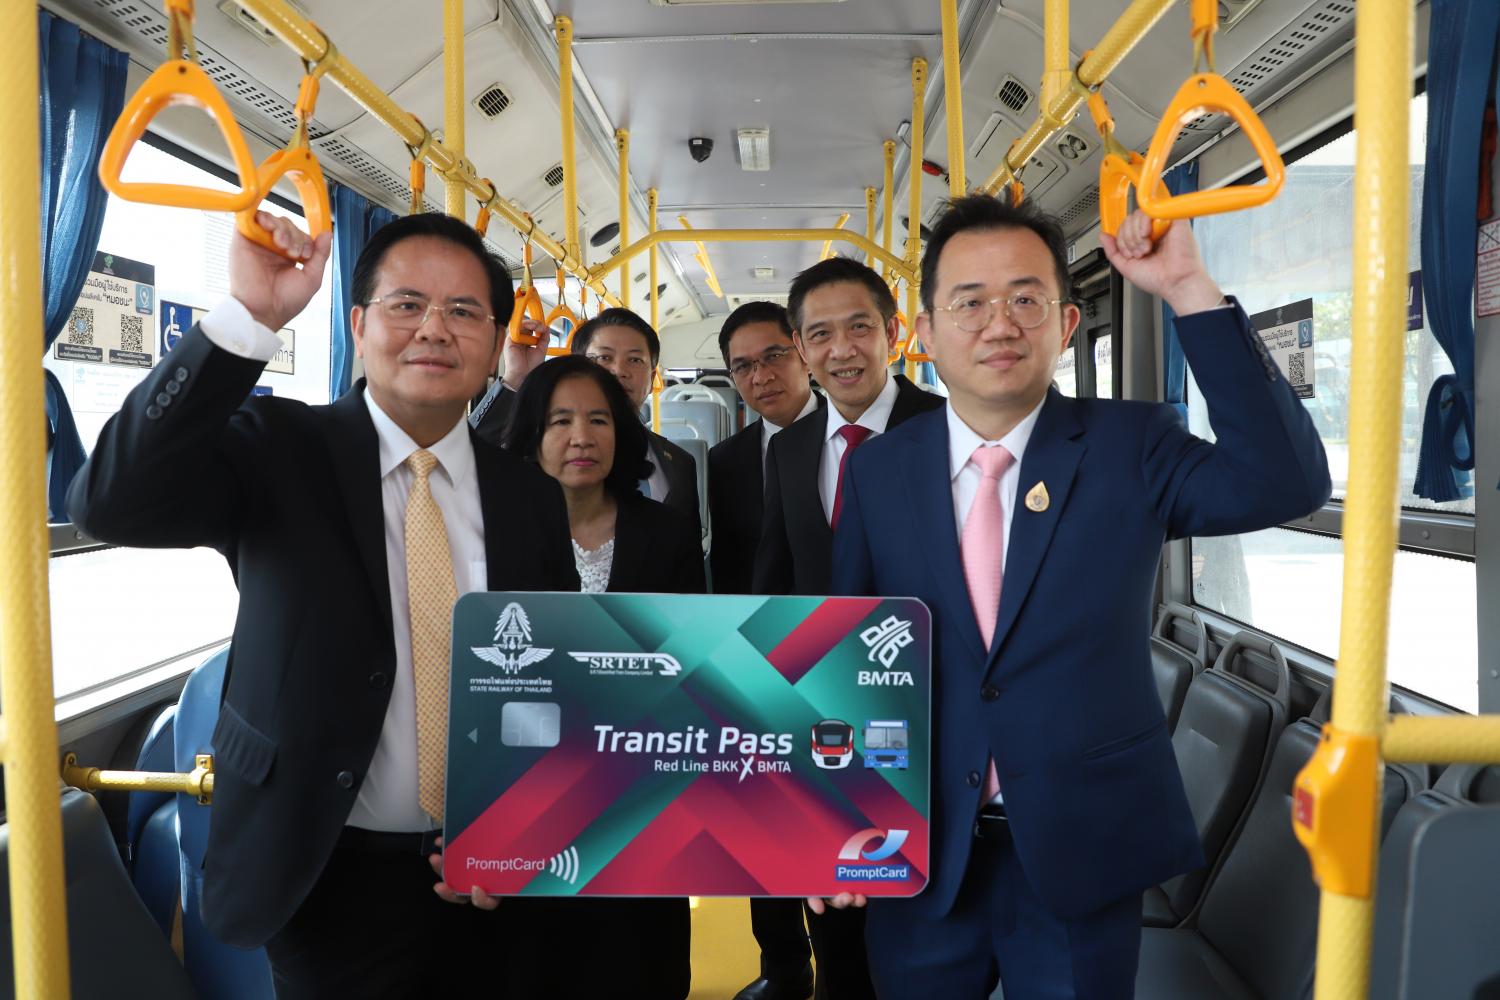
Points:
x=1031 y=524
x=772 y=378
x=845 y=325
x=624 y=343
x=350 y=529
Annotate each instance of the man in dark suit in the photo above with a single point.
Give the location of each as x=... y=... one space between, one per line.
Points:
x=1020 y=512
x=350 y=529
x=624 y=343
x=772 y=378
x=845 y=325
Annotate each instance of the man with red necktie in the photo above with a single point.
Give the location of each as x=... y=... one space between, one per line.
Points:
x=1032 y=524
x=844 y=325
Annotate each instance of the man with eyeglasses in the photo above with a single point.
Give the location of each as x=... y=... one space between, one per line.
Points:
x=351 y=529
x=772 y=378
x=1040 y=520
x=624 y=343
x=845 y=327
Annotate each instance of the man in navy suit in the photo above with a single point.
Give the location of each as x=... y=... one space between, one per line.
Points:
x=1056 y=798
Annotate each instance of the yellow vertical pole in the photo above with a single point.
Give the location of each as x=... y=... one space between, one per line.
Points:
x=39 y=933
x=953 y=97
x=564 y=27
x=1382 y=88
x=1057 y=68
x=651 y=199
x=888 y=198
x=622 y=146
x=912 y=305
x=828 y=244
x=914 y=183
x=454 y=193
x=870 y=223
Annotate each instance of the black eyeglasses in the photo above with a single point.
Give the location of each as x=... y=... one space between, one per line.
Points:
x=771 y=357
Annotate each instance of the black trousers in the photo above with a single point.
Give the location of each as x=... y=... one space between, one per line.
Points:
x=838 y=942
x=600 y=947
x=373 y=928
x=782 y=936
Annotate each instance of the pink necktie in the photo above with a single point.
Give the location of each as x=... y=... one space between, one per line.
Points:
x=853 y=435
x=983 y=546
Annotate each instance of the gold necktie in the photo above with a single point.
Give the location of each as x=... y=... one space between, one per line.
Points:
x=431 y=594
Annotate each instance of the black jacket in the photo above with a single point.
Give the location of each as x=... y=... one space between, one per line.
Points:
x=795 y=554
x=657 y=550
x=291 y=495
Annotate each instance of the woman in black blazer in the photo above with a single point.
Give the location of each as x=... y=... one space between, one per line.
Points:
x=574 y=420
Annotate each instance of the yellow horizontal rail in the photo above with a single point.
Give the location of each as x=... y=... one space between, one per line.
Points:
x=199 y=782
x=1122 y=37
x=702 y=258
x=828 y=245
x=308 y=42
x=1445 y=739
x=898 y=266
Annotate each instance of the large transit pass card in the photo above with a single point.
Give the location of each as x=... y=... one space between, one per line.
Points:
x=685 y=745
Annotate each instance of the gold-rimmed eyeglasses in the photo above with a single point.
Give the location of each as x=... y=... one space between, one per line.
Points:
x=1025 y=309
x=410 y=312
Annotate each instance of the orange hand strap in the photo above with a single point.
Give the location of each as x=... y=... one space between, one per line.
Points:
x=297 y=163
x=1206 y=93
x=559 y=313
x=482 y=223
x=912 y=348
x=895 y=355
x=1119 y=172
x=528 y=302
x=1205 y=23
x=419 y=167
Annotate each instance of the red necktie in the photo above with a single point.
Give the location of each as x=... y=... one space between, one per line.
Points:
x=853 y=435
x=983 y=549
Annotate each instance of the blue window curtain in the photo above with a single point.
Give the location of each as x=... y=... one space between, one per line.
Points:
x=354 y=219
x=1460 y=68
x=82 y=92
x=1179 y=180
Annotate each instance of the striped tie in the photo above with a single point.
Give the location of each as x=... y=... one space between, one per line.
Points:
x=431 y=593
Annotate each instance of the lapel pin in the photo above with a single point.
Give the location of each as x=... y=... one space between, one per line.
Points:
x=1037 y=500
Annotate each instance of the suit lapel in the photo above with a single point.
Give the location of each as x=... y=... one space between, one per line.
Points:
x=806 y=501
x=354 y=452
x=631 y=544
x=491 y=510
x=1052 y=456
x=929 y=490
x=910 y=401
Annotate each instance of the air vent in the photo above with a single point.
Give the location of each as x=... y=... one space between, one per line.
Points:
x=1084 y=208
x=614 y=251
x=491 y=101
x=554 y=177
x=606 y=233
x=1013 y=94
x=661 y=289
x=639 y=278
x=247 y=21
x=764 y=273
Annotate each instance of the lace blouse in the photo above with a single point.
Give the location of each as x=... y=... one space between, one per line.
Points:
x=594 y=566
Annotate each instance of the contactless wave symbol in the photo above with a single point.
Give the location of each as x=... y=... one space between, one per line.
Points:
x=565 y=865
x=854 y=847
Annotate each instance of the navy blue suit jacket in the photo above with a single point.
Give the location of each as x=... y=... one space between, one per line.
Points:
x=1064 y=699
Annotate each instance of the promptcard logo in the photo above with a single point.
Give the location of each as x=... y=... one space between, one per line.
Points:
x=859 y=862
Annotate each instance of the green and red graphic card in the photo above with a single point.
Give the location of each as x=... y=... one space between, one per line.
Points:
x=675 y=745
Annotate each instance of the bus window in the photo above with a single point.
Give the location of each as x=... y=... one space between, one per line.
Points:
x=1288 y=582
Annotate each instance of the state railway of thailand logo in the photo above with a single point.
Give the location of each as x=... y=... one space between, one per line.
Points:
x=512 y=651
x=885 y=643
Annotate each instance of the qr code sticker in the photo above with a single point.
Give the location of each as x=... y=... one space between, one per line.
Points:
x=81 y=327
x=132 y=333
x=1296 y=368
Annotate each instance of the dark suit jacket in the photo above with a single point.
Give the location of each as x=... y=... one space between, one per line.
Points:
x=736 y=506
x=290 y=494
x=795 y=554
x=1064 y=699
x=491 y=418
x=657 y=550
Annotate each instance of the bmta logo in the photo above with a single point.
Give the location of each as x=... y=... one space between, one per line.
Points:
x=885 y=642
x=857 y=848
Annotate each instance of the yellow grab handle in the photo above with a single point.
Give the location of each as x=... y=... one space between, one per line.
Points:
x=912 y=348
x=561 y=312
x=177 y=82
x=1207 y=93
x=301 y=166
x=1334 y=811
x=528 y=306
x=1116 y=177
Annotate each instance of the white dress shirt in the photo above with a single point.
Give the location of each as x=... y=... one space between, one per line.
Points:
x=387 y=798
x=769 y=430
x=875 y=417
x=962 y=440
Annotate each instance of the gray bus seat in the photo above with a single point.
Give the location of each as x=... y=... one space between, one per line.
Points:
x=1224 y=736
x=1179 y=652
x=699 y=450
x=707 y=417
x=1438 y=898
x=1257 y=927
x=112 y=940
